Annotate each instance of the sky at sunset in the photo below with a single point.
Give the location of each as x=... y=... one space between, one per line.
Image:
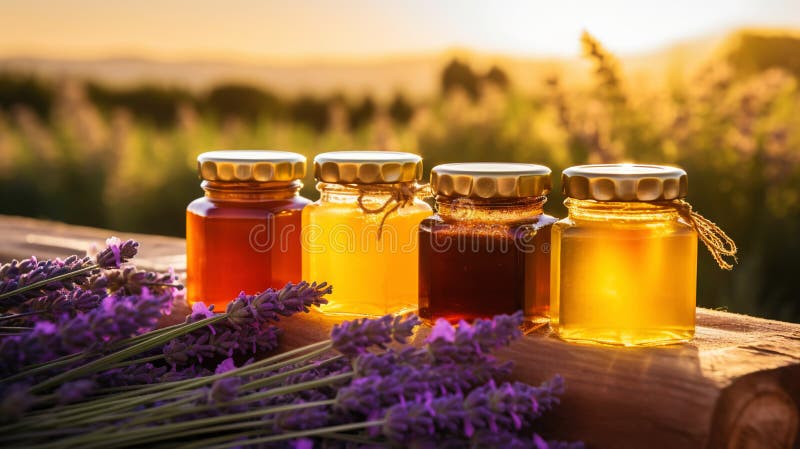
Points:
x=264 y=30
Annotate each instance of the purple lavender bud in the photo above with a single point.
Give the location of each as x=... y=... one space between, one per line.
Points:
x=131 y=281
x=496 y=414
x=116 y=318
x=270 y=305
x=15 y=400
x=559 y=444
x=355 y=337
x=464 y=343
x=15 y=268
x=61 y=304
x=225 y=366
x=224 y=390
x=302 y=443
x=140 y=374
x=302 y=419
x=407 y=422
x=74 y=391
x=220 y=341
x=200 y=312
x=43 y=271
x=116 y=253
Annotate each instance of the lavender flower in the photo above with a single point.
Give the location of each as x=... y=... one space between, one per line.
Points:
x=18 y=278
x=16 y=268
x=270 y=305
x=75 y=391
x=510 y=407
x=246 y=332
x=116 y=253
x=61 y=304
x=139 y=374
x=462 y=344
x=224 y=390
x=352 y=338
x=131 y=281
x=220 y=341
x=74 y=270
x=115 y=319
x=302 y=419
x=410 y=383
x=15 y=400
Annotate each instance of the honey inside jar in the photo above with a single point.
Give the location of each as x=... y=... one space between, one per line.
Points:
x=486 y=251
x=624 y=262
x=243 y=235
x=361 y=236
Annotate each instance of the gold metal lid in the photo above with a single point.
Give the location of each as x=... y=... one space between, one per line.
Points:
x=367 y=167
x=251 y=166
x=490 y=180
x=624 y=182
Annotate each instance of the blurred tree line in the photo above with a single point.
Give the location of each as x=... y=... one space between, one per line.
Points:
x=124 y=157
x=159 y=105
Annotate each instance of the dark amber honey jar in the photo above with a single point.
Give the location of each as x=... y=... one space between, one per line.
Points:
x=486 y=250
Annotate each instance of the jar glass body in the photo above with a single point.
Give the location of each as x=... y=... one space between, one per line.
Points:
x=623 y=273
x=370 y=275
x=479 y=258
x=242 y=237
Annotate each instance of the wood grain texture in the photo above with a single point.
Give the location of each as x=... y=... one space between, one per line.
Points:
x=736 y=386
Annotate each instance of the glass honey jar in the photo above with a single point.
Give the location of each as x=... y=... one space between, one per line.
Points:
x=244 y=233
x=487 y=250
x=361 y=236
x=624 y=261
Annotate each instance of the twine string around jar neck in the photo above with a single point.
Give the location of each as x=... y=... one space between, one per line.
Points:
x=402 y=194
x=716 y=240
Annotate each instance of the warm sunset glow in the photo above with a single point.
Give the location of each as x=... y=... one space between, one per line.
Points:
x=259 y=30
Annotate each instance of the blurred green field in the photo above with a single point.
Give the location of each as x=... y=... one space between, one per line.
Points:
x=124 y=158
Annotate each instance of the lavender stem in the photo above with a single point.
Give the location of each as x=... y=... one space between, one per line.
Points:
x=103 y=362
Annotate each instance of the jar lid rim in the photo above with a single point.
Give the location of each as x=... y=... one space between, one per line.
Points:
x=491 y=169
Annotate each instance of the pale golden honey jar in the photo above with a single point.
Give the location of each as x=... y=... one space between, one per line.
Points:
x=362 y=235
x=624 y=261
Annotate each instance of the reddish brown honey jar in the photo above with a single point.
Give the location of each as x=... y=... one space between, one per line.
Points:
x=244 y=233
x=486 y=250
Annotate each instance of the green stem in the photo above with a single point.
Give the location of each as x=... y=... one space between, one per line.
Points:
x=218 y=439
x=19 y=315
x=150 y=393
x=135 y=361
x=14 y=328
x=71 y=358
x=107 y=437
x=148 y=418
x=304 y=433
x=205 y=430
x=280 y=376
x=104 y=362
x=44 y=282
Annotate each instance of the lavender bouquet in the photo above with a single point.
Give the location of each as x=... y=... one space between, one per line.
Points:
x=83 y=365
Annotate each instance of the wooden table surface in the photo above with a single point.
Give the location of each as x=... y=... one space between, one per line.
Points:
x=737 y=385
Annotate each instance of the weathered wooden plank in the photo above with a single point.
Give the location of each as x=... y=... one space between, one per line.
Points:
x=737 y=385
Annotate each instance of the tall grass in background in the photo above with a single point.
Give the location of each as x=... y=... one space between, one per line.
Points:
x=81 y=160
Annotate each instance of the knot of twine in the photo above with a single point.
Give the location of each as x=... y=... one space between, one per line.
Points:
x=402 y=194
x=716 y=240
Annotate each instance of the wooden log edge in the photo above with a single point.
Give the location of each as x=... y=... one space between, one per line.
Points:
x=759 y=410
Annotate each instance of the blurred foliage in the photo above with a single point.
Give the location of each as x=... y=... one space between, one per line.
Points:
x=34 y=93
x=754 y=52
x=124 y=158
x=244 y=102
x=153 y=104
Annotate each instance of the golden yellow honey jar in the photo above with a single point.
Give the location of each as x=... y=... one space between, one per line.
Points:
x=624 y=261
x=361 y=236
